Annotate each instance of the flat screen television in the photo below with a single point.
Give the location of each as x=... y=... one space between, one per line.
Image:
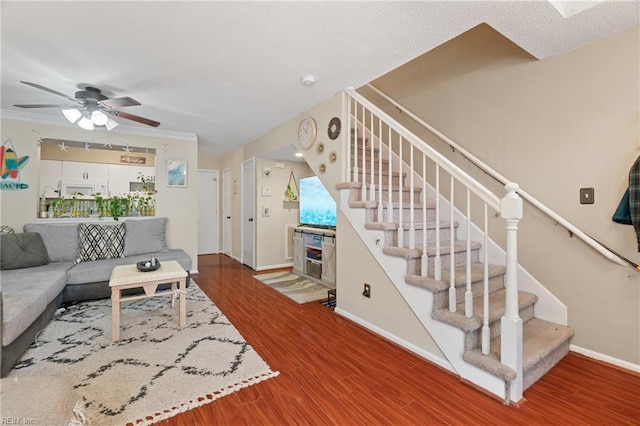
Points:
x=317 y=207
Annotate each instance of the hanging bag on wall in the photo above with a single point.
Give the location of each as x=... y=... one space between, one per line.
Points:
x=623 y=212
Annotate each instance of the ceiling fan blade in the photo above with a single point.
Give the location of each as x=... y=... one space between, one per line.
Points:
x=135 y=118
x=46 y=89
x=119 y=102
x=41 y=106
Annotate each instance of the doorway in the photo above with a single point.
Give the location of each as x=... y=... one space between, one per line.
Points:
x=208 y=218
x=248 y=212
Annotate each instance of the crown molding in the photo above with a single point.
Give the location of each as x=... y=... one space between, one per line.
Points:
x=123 y=129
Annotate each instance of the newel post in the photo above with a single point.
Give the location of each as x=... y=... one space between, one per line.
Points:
x=511 y=333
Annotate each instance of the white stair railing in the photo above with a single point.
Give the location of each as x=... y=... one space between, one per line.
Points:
x=404 y=150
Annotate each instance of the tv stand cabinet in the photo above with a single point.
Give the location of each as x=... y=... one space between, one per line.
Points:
x=314 y=253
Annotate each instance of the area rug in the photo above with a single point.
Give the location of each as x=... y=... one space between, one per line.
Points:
x=294 y=286
x=156 y=370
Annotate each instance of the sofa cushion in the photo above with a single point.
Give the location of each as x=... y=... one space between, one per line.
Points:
x=100 y=270
x=25 y=295
x=100 y=241
x=145 y=236
x=22 y=250
x=60 y=240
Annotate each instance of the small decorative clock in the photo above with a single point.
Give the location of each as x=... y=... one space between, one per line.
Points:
x=307 y=132
x=334 y=128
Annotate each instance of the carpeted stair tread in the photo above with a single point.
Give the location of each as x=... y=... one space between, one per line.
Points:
x=417 y=225
x=374 y=205
x=541 y=338
x=496 y=310
x=385 y=187
x=477 y=274
x=407 y=253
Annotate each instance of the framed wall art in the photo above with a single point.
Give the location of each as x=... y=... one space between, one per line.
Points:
x=177 y=173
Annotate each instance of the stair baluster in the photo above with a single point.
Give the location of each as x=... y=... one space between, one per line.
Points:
x=486 y=332
x=452 y=253
x=437 y=261
x=400 y=197
x=412 y=207
x=364 y=154
x=390 y=205
x=424 y=266
x=372 y=185
x=468 y=296
x=380 y=205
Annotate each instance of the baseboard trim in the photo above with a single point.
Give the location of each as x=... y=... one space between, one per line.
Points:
x=283 y=265
x=440 y=362
x=605 y=358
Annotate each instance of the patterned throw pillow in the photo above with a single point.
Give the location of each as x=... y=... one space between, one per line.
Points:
x=6 y=229
x=100 y=241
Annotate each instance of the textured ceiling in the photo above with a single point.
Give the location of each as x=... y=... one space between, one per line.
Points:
x=230 y=71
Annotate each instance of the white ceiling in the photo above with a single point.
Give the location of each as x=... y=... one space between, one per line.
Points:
x=231 y=71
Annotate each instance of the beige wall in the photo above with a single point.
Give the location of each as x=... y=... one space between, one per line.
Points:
x=553 y=126
x=271 y=230
x=179 y=205
x=386 y=311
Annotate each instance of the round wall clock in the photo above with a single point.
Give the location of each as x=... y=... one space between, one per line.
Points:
x=307 y=132
x=334 y=128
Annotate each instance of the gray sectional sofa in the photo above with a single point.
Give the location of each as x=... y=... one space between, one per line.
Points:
x=70 y=268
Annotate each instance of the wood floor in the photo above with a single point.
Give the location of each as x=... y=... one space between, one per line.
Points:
x=335 y=372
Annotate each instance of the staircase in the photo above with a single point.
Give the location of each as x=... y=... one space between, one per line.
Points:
x=411 y=220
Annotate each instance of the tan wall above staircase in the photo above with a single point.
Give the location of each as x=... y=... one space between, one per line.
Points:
x=553 y=126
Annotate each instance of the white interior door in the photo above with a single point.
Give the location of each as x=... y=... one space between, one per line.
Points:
x=248 y=212
x=226 y=212
x=208 y=218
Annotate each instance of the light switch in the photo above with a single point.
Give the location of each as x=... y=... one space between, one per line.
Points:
x=586 y=196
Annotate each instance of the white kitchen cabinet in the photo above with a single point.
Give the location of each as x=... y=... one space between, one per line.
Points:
x=50 y=175
x=120 y=175
x=118 y=179
x=76 y=170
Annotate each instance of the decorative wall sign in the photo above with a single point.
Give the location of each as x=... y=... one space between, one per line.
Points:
x=132 y=159
x=11 y=165
x=177 y=173
x=333 y=130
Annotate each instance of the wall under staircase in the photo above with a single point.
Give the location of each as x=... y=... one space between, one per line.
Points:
x=424 y=281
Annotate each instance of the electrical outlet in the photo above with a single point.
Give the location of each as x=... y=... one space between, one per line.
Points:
x=367 y=290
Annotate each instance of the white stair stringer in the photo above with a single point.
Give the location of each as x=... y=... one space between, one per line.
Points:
x=449 y=339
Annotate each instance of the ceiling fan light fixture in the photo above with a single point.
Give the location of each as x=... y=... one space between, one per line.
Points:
x=72 y=114
x=111 y=124
x=99 y=118
x=85 y=123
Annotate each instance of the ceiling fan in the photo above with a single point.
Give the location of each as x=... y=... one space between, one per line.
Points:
x=92 y=108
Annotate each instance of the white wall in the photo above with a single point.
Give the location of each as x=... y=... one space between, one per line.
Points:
x=179 y=205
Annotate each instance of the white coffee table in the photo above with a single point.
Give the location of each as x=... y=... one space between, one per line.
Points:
x=127 y=276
